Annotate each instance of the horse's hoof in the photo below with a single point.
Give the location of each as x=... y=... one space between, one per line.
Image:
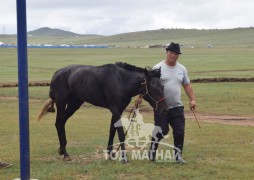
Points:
x=61 y=152
x=67 y=158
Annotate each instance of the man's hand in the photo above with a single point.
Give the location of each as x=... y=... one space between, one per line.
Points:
x=189 y=91
x=193 y=105
x=138 y=101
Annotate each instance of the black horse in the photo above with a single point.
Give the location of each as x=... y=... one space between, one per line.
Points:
x=110 y=86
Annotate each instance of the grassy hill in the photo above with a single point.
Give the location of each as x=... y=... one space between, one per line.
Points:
x=46 y=31
x=192 y=37
x=243 y=37
x=49 y=32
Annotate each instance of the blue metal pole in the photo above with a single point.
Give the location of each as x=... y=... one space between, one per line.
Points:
x=23 y=90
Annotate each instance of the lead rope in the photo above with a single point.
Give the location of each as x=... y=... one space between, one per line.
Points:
x=133 y=110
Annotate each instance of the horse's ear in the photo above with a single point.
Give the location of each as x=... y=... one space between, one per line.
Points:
x=147 y=74
x=159 y=72
x=156 y=72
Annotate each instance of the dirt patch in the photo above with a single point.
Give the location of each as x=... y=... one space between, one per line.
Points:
x=16 y=98
x=75 y=159
x=199 y=80
x=30 y=84
x=216 y=80
x=84 y=176
x=225 y=119
x=8 y=98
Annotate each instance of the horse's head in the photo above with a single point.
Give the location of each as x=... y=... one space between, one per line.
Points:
x=153 y=91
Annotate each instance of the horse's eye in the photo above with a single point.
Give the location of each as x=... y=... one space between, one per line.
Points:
x=153 y=84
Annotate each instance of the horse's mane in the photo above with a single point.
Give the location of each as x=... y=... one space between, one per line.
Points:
x=148 y=71
x=130 y=67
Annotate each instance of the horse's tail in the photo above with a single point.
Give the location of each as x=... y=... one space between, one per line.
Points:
x=47 y=108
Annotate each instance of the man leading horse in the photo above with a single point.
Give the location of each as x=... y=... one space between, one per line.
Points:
x=173 y=76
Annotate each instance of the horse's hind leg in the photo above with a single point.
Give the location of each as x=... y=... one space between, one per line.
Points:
x=62 y=117
x=60 y=127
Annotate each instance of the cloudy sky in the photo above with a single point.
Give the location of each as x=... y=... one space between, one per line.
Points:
x=108 y=17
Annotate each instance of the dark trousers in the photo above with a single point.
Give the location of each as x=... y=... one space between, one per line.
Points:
x=174 y=117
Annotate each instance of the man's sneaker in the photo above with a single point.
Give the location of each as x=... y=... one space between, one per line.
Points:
x=180 y=160
x=4 y=165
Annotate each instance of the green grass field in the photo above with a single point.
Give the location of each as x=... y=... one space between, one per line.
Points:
x=216 y=151
x=200 y=62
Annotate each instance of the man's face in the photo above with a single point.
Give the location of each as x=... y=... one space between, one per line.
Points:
x=172 y=57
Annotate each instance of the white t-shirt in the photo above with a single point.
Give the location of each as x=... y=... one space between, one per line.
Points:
x=173 y=78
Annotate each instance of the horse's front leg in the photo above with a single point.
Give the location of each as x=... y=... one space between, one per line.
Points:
x=112 y=132
x=122 y=139
x=121 y=136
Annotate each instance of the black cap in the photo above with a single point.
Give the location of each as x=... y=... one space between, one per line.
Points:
x=175 y=47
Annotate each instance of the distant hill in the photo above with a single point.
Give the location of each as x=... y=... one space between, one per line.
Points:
x=49 y=32
x=46 y=31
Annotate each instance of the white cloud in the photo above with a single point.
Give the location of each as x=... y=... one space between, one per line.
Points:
x=119 y=16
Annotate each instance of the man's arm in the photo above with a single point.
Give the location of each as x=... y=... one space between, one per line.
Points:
x=190 y=93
